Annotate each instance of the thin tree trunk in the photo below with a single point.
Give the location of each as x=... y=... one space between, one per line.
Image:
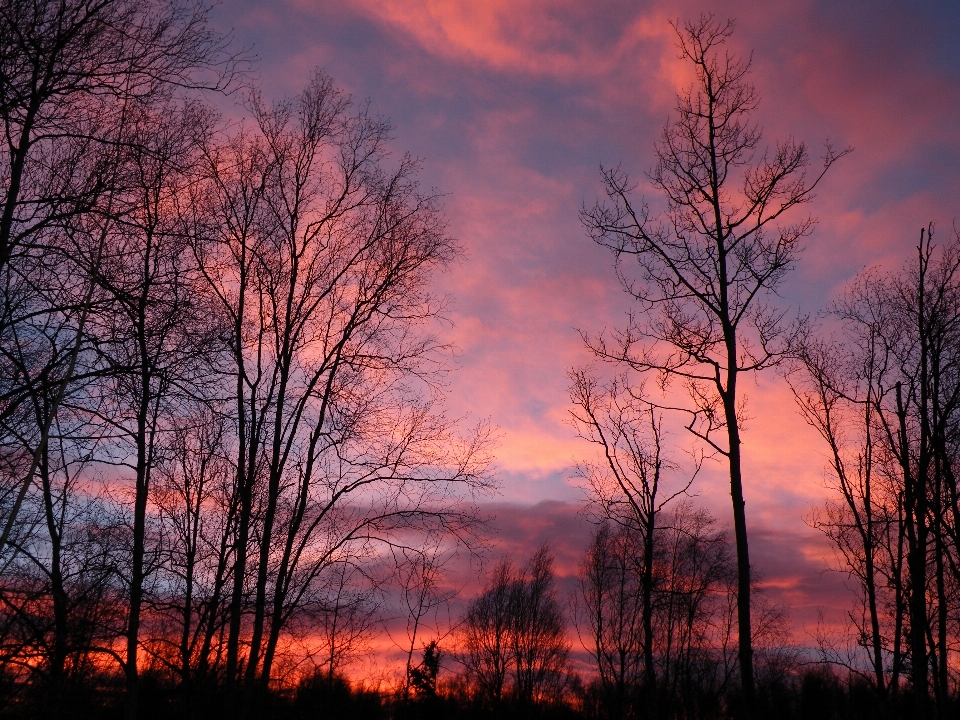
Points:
x=137 y=570
x=58 y=655
x=870 y=540
x=744 y=629
x=916 y=564
x=246 y=468
x=15 y=180
x=898 y=599
x=940 y=460
x=728 y=395
x=647 y=590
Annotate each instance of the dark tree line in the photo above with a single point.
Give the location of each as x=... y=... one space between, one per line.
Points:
x=222 y=435
x=221 y=390
x=880 y=384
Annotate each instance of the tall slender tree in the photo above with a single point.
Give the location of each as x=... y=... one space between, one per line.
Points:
x=701 y=272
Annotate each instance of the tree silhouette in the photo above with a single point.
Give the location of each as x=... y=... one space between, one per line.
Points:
x=884 y=393
x=701 y=271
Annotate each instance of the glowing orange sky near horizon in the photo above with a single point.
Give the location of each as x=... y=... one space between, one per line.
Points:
x=513 y=106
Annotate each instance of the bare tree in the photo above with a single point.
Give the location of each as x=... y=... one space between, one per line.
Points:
x=691 y=625
x=610 y=606
x=319 y=259
x=840 y=394
x=627 y=482
x=347 y=619
x=192 y=495
x=538 y=633
x=420 y=576
x=152 y=339
x=516 y=630
x=56 y=588
x=926 y=302
x=702 y=271
x=485 y=634
x=67 y=70
x=695 y=596
x=68 y=74
x=885 y=396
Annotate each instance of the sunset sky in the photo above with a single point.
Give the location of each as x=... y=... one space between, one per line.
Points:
x=512 y=105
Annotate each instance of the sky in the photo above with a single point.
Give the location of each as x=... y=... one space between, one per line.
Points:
x=512 y=106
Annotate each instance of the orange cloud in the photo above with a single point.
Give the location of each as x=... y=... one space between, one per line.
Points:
x=539 y=37
x=513 y=105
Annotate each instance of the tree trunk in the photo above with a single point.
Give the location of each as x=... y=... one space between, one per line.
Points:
x=647 y=589
x=744 y=629
x=869 y=549
x=136 y=571
x=917 y=565
x=246 y=468
x=58 y=654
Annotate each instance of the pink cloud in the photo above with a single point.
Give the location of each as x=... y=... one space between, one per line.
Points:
x=513 y=106
x=541 y=38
